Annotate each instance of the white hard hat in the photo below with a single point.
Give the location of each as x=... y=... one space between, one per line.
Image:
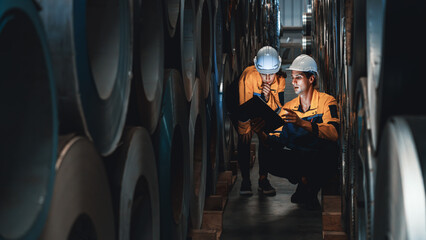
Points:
x=267 y=60
x=304 y=63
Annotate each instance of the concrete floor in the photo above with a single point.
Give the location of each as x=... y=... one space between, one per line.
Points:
x=260 y=217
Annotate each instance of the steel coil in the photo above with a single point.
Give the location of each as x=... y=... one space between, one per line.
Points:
x=197 y=154
x=135 y=186
x=214 y=139
x=375 y=21
x=188 y=46
x=383 y=55
x=400 y=212
x=236 y=32
x=172 y=151
x=307 y=45
x=204 y=44
x=217 y=39
x=91 y=43
x=307 y=24
x=172 y=10
x=243 y=55
x=29 y=123
x=148 y=67
x=231 y=103
x=225 y=128
x=81 y=204
x=362 y=166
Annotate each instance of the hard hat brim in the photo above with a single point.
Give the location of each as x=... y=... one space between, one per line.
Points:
x=267 y=71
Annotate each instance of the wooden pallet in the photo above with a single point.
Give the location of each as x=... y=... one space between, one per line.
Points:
x=332 y=227
x=211 y=228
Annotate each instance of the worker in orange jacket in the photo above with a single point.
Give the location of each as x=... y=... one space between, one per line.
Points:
x=304 y=150
x=264 y=80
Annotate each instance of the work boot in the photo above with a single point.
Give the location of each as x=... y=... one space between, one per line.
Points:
x=311 y=201
x=245 y=189
x=299 y=196
x=265 y=187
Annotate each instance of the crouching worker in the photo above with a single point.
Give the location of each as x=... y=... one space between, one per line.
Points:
x=265 y=80
x=305 y=149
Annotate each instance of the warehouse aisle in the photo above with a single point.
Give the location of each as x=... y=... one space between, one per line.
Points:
x=261 y=217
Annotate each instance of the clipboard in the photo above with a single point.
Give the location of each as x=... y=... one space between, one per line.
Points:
x=256 y=107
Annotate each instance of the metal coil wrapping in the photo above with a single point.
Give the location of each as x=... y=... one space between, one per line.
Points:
x=307 y=24
x=29 y=123
x=374 y=28
x=197 y=154
x=148 y=64
x=236 y=33
x=218 y=28
x=172 y=151
x=172 y=10
x=362 y=167
x=214 y=139
x=225 y=125
x=401 y=213
x=135 y=186
x=188 y=45
x=91 y=45
x=307 y=44
x=204 y=44
x=81 y=203
x=243 y=55
x=384 y=63
x=245 y=11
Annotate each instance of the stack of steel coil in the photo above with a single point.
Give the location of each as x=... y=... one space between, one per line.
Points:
x=364 y=65
x=117 y=119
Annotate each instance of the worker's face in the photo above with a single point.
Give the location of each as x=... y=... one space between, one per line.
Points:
x=267 y=78
x=300 y=82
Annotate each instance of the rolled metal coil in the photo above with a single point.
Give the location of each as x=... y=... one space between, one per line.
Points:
x=245 y=10
x=148 y=67
x=214 y=137
x=171 y=144
x=172 y=9
x=29 y=123
x=188 y=45
x=135 y=186
x=375 y=27
x=242 y=56
x=197 y=154
x=400 y=212
x=81 y=203
x=307 y=44
x=91 y=44
x=363 y=166
x=204 y=44
x=307 y=24
x=225 y=126
x=218 y=29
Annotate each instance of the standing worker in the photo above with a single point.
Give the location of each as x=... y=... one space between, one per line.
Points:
x=264 y=80
x=305 y=150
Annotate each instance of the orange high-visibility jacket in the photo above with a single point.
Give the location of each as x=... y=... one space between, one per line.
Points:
x=250 y=84
x=324 y=118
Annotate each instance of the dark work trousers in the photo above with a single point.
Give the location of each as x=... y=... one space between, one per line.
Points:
x=244 y=159
x=317 y=166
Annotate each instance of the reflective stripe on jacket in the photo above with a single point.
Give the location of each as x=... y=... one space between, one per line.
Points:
x=250 y=84
x=324 y=118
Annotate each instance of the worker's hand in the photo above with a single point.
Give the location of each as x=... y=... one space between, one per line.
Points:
x=291 y=117
x=266 y=89
x=246 y=138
